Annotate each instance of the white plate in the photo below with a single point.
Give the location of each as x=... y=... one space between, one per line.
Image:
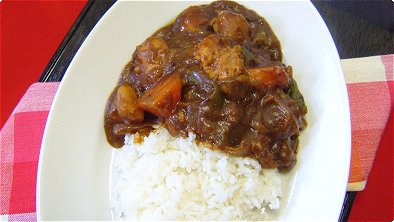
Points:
x=74 y=166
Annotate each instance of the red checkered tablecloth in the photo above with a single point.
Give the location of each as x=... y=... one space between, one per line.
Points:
x=370 y=86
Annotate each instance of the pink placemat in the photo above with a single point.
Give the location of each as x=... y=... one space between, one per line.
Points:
x=369 y=82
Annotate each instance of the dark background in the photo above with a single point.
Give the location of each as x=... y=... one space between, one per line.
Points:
x=359 y=28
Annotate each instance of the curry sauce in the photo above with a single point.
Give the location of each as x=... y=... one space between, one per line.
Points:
x=216 y=71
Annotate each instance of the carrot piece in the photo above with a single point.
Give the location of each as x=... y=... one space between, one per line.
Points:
x=163 y=97
x=270 y=76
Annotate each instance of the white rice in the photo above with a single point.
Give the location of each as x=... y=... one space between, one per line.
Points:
x=167 y=178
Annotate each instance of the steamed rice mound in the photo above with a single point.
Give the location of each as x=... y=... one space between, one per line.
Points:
x=168 y=178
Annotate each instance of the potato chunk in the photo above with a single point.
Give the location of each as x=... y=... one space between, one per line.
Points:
x=232 y=26
x=126 y=104
x=192 y=20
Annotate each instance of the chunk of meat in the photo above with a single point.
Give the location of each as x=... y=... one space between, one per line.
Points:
x=263 y=155
x=219 y=61
x=278 y=114
x=163 y=97
x=191 y=20
x=231 y=26
x=276 y=118
x=283 y=154
x=230 y=63
x=233 y=112
x=208 y=50
x=126 y=104
x=150 y=60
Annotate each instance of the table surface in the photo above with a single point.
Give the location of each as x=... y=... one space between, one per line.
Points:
x=39 y=40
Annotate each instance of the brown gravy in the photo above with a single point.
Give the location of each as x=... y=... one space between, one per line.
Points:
x=216 y=71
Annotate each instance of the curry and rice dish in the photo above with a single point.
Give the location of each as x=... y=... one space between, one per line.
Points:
x=214 y=76
x=215 y=71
